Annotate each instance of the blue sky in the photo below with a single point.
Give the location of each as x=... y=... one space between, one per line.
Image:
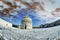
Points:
x=21 y=15
x=37 y=19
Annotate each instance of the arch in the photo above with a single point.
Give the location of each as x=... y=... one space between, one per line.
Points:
x=25 y=26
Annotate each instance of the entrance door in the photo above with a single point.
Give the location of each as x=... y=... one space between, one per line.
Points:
x=25 y=26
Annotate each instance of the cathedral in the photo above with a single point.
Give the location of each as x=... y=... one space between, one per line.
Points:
x=5 y=23
x=26 y=23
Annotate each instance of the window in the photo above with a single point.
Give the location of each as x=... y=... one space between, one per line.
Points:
x=6 y=24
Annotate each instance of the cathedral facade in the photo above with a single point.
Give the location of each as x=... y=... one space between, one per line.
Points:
x=5 y=23
x=26 y=23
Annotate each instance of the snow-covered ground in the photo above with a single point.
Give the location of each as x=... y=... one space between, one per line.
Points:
x=34 y=34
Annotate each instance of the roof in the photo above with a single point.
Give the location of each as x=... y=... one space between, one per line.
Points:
x=27 y=18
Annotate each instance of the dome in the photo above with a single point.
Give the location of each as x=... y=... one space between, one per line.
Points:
x=27 y=18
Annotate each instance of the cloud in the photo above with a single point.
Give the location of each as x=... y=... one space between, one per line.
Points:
x=42 y=9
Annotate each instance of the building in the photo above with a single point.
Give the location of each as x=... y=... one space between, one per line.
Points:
x=26 y=23
x=5 y=23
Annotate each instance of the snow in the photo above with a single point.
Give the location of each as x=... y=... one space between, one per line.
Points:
x=34 y=34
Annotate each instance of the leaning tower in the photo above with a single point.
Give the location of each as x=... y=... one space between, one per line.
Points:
x=26 y=23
